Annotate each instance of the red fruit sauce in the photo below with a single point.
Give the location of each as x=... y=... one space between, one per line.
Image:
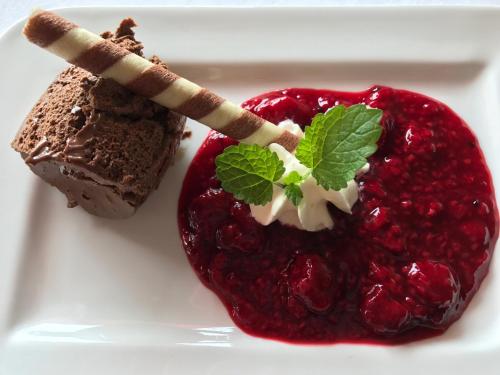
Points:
x=403 y=266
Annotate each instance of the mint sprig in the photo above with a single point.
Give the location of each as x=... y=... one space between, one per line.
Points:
x=335 y=146
x=249 y=172
x=339 y=142
x=291 y=183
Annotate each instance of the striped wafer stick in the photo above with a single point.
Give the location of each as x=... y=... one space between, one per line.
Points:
x=104 y=58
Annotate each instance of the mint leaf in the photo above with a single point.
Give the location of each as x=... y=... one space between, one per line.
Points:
x=338 y=142
x=310 y=148
x=292 y=178
x=249 y=172
x=292 y=188
x=294 y=194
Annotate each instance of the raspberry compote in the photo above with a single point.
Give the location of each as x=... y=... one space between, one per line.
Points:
x=403 y=266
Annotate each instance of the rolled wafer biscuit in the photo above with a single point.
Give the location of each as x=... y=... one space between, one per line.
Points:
x=102 y=57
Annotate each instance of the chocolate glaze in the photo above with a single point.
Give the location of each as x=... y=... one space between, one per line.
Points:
x=81 y=186
x=41 y=152
x=75 y=172
x=82 y=189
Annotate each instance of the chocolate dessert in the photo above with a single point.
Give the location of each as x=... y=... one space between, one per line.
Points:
x=316 y=216
x=101 y=145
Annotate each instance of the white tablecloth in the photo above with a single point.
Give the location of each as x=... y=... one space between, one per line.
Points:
x=13 y=10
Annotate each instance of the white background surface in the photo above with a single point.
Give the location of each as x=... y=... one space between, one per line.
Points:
x=13 y=10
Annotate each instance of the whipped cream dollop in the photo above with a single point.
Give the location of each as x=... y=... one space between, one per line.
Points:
x=312 y=212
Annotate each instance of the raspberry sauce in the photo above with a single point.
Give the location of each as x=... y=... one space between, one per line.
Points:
x=403 y=266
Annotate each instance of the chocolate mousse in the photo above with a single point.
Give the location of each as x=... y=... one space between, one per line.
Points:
x=101 y=145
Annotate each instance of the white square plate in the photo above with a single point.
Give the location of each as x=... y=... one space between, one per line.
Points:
x=84 y=295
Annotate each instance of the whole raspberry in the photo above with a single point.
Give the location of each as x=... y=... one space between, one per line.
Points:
x=311 y=281
x=382 y=313
x=433 y=282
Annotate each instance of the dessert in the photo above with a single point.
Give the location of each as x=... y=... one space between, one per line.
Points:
x=404 y=265
x=98 y=143
x=375 y=224
x=95 y=160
